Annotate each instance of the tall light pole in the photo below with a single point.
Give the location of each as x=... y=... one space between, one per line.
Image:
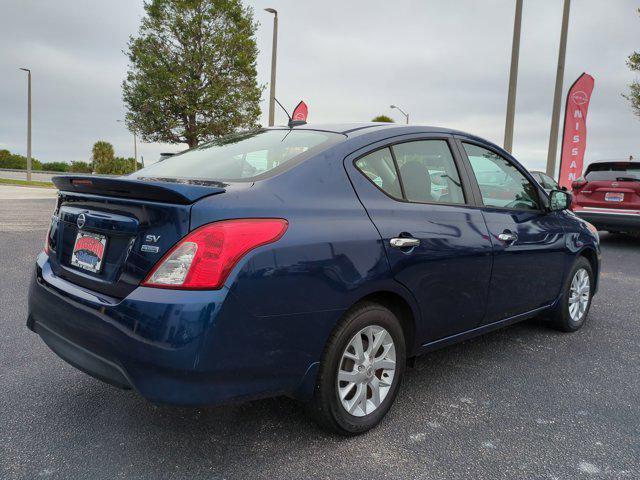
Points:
x=513 y=79
x=135 y=152
x=555 y=116
x=274 y=56
x=28 y=123
x=135 y=148
x=406 y=115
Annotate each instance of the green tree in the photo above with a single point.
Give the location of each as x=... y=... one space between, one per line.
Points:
x=634 y=89
x=103 y=157
x=382 y=118
x=78 y=166
x=192 y=72
x=17 y=162
x=124 y=166
x=55 y=167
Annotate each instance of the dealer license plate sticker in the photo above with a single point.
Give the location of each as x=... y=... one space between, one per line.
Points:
x=88 y=251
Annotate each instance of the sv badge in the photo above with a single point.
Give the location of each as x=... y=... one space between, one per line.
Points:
x=151 y=248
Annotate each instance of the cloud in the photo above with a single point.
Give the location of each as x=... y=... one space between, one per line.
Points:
x=446 y=63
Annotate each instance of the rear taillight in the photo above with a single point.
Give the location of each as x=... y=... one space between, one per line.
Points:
x=204 y=258
x=578 y=184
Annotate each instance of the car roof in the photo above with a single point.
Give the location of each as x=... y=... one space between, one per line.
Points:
x=357 y=128
x=611 y=165
x=368 y=132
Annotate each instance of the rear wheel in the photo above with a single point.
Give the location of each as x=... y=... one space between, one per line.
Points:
x=360 y=371
x=574 y=305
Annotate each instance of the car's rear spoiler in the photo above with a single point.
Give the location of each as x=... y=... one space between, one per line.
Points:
x=158 y=190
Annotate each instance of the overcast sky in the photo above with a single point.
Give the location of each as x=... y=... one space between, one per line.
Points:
x=445 y=62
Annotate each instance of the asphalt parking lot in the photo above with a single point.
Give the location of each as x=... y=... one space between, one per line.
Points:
x=522 y=403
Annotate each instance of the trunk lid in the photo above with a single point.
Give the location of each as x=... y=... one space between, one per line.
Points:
x=128 y=223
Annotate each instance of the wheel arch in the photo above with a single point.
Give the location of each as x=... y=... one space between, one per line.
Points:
x=592 y=257
x=402 y=308
x=400 y=302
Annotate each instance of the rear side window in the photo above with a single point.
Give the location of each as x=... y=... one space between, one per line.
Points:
x=379 y=168
x=428 y=172
x=501 y=183
x=242 y=156
x=613 y=172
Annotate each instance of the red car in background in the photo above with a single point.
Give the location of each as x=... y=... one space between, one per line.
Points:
x=608 y=196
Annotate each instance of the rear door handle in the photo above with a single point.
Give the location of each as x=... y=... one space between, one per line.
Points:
x=508 y=237
x=404 y=242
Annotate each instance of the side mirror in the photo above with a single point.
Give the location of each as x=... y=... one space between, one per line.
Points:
x=578 y=184
x=559 y=200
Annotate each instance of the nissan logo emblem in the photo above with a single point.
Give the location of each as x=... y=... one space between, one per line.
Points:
x=580 y=98
x=81 y=220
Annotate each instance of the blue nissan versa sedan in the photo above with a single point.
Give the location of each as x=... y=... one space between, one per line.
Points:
x=310 y=262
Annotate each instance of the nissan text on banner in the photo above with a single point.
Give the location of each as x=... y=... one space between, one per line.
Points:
x=574 y=137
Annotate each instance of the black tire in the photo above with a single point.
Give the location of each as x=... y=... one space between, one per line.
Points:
x=326 y=406
x=561 y=318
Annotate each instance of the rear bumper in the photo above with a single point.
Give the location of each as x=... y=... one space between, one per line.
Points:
x=611 y=219
x=176 y=347
x=83 y=359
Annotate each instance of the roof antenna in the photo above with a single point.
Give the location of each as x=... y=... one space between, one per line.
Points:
x=285 y=111
x=299 y=113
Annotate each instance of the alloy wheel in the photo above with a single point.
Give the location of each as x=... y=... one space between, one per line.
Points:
x=579 y=295
x=366 y=371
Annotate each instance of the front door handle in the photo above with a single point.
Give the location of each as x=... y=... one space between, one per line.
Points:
x=508 y=237
x=404 y=242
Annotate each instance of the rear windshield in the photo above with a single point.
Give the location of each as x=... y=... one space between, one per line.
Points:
x=245 y=156
x=613 y=171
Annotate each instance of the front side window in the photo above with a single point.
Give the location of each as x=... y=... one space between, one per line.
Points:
x=547 y=182
x=428 y=172
x=379 y=168
x=501 y=184
x=240 y=157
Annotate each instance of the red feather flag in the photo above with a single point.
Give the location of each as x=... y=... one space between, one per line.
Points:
x=574 y=137
x=300 y=113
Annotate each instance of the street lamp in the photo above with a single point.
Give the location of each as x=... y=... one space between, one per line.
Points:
x=274 y=54
x=406 y=115
x=28 y=123
x=135 y=148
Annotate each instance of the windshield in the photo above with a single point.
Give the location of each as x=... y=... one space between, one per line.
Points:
x=242 y=156
x=613 y=171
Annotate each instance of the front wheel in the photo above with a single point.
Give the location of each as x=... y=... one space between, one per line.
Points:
x=571 y=313
x=360 y=371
